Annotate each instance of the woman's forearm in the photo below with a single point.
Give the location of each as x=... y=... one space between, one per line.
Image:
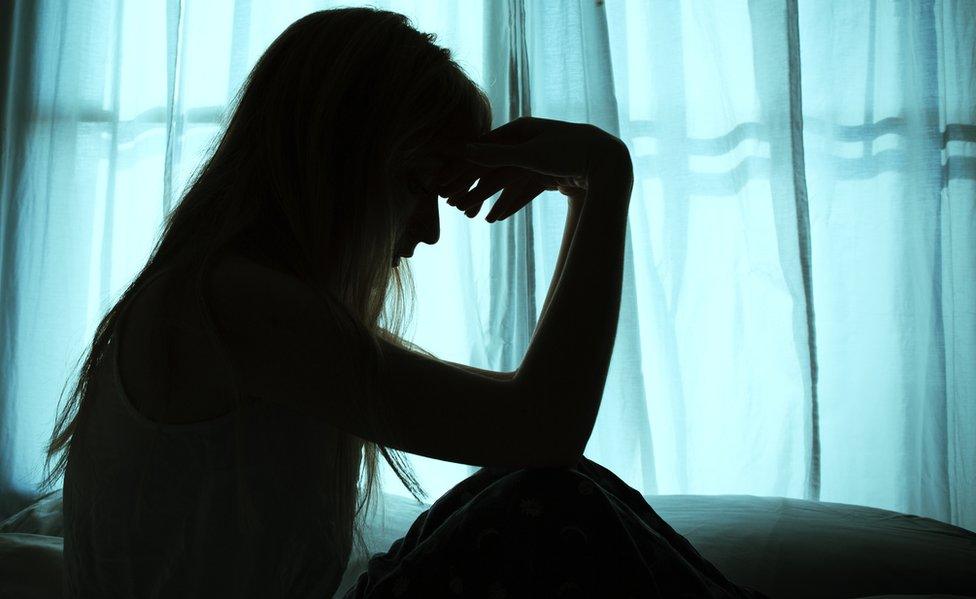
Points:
x=566 y=364
x=572 y=218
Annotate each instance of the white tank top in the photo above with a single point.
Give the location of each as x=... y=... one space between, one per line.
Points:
x=151 y=509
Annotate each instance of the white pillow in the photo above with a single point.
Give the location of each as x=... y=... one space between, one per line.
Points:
x=43 y=517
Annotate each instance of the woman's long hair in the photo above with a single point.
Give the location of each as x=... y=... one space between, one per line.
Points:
x=306 y=172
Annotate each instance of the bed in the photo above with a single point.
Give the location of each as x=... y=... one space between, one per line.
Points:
x=788 y=548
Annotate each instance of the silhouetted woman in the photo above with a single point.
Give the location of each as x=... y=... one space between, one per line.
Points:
x=235 y=391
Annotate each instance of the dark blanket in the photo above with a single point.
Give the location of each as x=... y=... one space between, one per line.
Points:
x=543 y=532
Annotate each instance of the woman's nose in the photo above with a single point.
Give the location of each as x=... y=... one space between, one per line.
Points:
x=433 y=234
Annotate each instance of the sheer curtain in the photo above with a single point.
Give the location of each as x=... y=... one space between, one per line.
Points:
x=798 y=304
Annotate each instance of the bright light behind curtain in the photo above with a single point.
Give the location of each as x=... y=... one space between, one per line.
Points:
x=797 y=314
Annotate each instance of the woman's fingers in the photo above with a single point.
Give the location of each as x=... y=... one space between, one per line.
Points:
x=514 y=199
x=498 y=155
x=504 y=200
x=489 y=184
x=474 y=210
x=458 y=181
x=534 y=155
x=519 y=187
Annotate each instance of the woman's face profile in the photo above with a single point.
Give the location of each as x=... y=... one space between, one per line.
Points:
x=423 y=218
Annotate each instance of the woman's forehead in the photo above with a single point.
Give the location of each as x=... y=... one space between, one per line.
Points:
x=438 y=153
x=433 y=160
x=430 y=164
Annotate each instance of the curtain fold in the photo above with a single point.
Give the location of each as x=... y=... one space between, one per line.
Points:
x=775 y=54
x=512 y=305
x=717 y=272
x=797 y=307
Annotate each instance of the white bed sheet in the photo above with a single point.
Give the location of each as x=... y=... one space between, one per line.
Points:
x=788 y=548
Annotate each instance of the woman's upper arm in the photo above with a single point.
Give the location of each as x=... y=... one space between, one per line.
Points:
x=286 y=345
x=502 y=376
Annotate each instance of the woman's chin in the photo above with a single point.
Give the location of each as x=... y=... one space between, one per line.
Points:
x=397 y=257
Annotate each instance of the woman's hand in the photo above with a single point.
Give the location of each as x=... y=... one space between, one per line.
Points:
x=527 y=156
